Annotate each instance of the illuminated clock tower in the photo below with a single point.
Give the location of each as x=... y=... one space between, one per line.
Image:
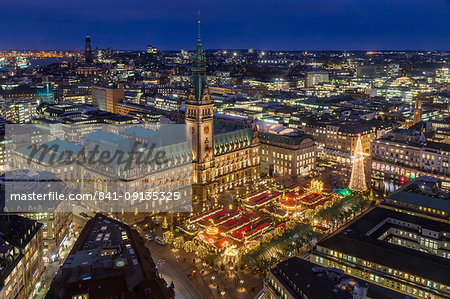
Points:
x=199 y=126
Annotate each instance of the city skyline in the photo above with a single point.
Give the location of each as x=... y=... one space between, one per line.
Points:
x=234 y=171
x=291 y=25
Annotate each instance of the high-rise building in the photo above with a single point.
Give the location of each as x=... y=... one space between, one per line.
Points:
x=105 y=98
x=88 y=50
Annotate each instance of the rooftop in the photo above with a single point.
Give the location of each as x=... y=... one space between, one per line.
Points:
x=320 y=282
x=354 y=241
x=289 y=139
x=424 y=191
x=108 y=259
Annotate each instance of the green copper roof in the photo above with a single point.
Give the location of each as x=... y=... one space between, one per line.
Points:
x=229 y=141
x=198 y=78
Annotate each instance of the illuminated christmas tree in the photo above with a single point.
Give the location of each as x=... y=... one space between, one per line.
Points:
x=358 y=177
x=165 y=225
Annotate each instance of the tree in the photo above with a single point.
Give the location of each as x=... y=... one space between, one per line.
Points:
x=266 y=237
x=309 y=214
x=370 y=197
x=202 y=251
x=278 y=231
x=168 y=237
x=254 y=244
x=291 y=224
x=178 y=242
x=189 y=246
x=242 y=250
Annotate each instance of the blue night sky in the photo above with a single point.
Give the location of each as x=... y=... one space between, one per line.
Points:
x=260 y=24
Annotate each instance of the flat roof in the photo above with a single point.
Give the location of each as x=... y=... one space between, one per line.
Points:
x=423 y=191
x=421 y=200
x=352 y=240
x=322 y=282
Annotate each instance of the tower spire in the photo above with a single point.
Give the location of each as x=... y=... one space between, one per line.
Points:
x=198 y=78
x=199 y=41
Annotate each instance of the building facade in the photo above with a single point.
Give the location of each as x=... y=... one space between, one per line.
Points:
x=88 y=50
x=291 y=155
x=402 y=155
x=18 y=111
x=223 y=156
x=21 y=262
x=399 y=245
x=105 y=98
x=109 y=260
x=297 y=278
x=337 y=140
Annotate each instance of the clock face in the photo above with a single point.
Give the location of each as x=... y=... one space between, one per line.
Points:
x=206 y=130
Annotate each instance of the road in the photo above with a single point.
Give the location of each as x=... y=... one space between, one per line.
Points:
x=183 y=286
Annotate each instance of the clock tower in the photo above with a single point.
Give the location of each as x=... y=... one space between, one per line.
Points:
x=199 y=128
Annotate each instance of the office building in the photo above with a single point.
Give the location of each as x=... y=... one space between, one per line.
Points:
x=425 y=196
x=141 y=112
x=105 y=98
x=55 y=223
x=18 y=111
x=21 y=264
x=77 y=119
x=169 y=103
x=313 y=78
x=400 y=245
x=109 y=260
x=292 y=154
x=151 y=49
x=296 y=278
x=336 y=140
